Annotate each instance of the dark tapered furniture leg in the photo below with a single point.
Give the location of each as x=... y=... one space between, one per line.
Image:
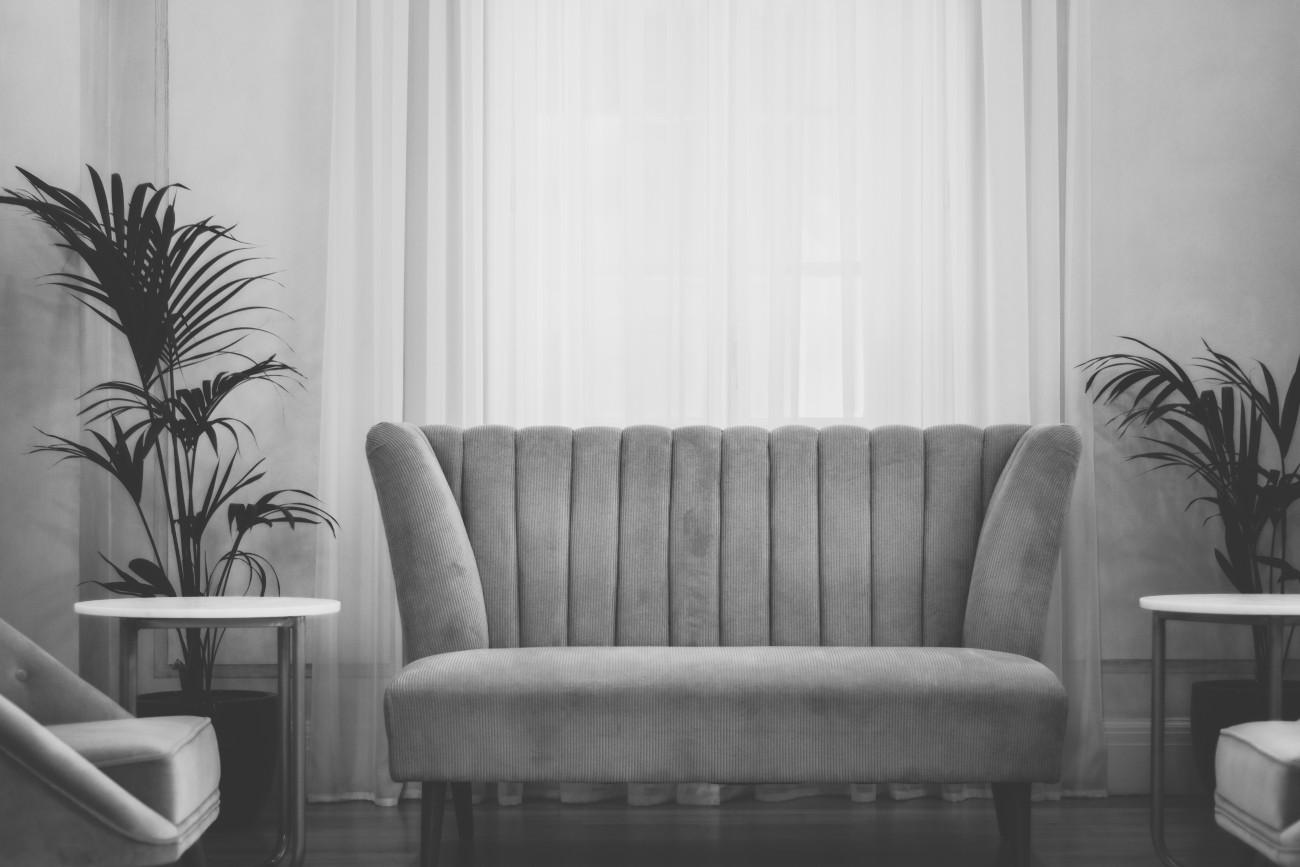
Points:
x=462 y=800
x=1011 y=801
x=433 y=797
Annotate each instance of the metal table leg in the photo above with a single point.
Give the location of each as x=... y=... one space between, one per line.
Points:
x=1158 y=741
x=298 y=784
x=292 y=845
x=1275 y=662
x=128 y=637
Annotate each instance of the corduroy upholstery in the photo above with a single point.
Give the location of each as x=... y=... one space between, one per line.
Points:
x=758 y=714
x=1257 y=787
x=150 y=802
x=732 y=605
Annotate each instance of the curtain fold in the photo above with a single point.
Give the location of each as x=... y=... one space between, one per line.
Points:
x=693 y=211
x=1077 y=605
x=353 y=655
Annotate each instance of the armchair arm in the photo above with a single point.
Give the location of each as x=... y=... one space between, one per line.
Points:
x=1015 y=561
x=439 y=594
x=45 y=688
x=58 y=808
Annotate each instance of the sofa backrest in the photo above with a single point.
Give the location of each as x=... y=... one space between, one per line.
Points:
x=742 y=536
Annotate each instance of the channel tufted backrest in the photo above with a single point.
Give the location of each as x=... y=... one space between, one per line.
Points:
x=701 y=536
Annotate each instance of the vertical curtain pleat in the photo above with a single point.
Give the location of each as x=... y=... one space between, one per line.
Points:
x=1074 y=632
x=353 y=656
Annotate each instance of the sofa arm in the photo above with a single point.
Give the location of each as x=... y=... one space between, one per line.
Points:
x=439 y=595
x=1015 y=561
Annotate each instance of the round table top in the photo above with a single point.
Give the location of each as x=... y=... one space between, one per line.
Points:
x=207 y=607
x=1226 y=604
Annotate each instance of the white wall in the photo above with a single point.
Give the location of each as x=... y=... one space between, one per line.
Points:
x=1195 y=207
x=39 y=327
x=249 y=134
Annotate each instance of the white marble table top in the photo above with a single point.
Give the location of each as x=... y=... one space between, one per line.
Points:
x=208 y=607
x=1226 y=604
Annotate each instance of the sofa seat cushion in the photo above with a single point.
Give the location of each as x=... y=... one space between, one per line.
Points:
x=1257 y=792
x=169 y=763
x=726 y=714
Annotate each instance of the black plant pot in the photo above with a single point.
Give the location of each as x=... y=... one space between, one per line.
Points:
x=246 y=723
x=1217 y=704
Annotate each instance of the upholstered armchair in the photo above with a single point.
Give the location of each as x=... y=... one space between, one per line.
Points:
x=82 y=782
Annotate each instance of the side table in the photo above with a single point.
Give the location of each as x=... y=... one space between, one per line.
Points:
x=286 y=615
x=1272 y=610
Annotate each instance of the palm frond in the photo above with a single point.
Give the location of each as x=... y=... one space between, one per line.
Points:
x=267 y=511
x=192 y=411
x=1222 y=433
x=258 y=568
x=146 y=578
x=119 y=456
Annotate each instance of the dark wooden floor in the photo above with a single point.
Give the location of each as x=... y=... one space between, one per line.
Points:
x=815 y=831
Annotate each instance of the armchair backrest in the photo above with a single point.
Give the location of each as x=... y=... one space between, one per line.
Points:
x=45 y=688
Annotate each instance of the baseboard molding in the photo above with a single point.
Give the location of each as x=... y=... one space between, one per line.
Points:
x=1207 y=668
x=1128 y=757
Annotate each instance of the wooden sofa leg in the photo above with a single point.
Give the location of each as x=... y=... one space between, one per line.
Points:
x=1011 y=802
x=433 y=798
x=462 y=800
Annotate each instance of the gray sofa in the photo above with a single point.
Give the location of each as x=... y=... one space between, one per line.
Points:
x=738 y=605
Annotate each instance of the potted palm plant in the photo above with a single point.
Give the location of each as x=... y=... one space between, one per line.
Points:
x=1233 y=432
x=173 y=291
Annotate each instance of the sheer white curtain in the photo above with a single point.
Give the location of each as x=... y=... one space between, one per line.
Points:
x=727 y=212
x=691 y=211
x=361 y=382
